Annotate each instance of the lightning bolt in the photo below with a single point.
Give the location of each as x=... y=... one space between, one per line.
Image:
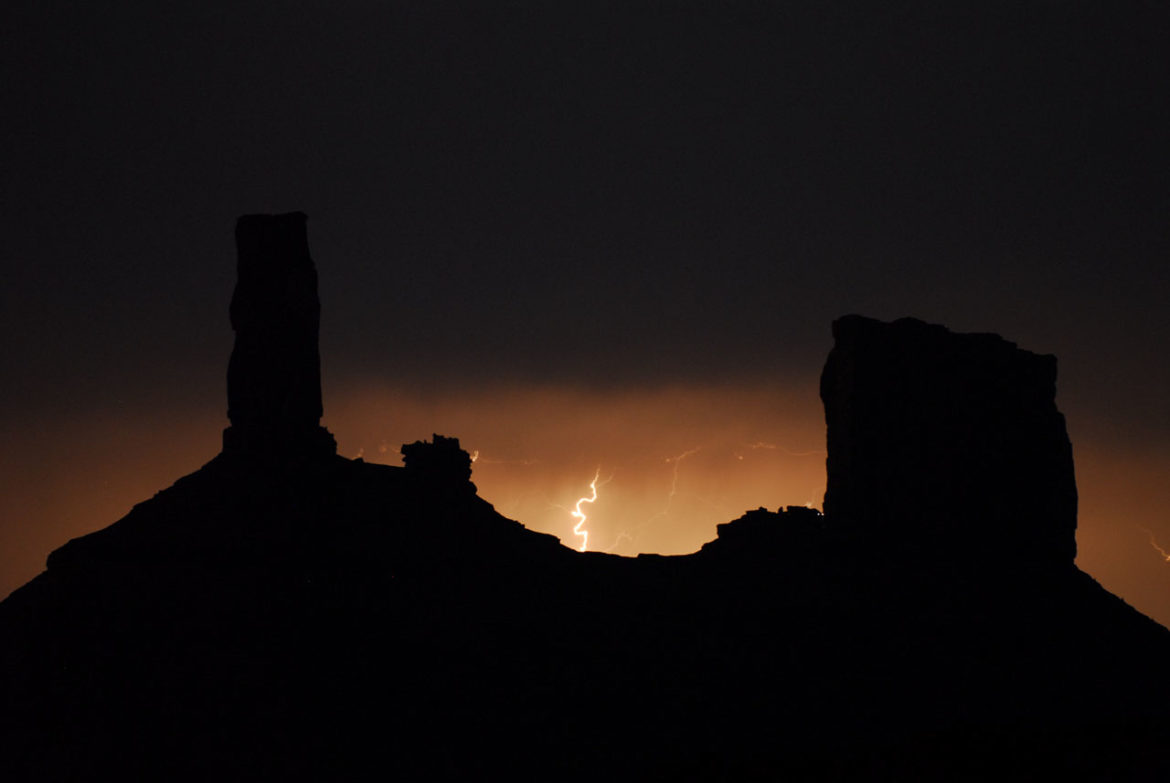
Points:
x=628 y=535
x=1154 y=543
x=622 y=536
x=674 y=480
x=579 y=515
x=760 y=444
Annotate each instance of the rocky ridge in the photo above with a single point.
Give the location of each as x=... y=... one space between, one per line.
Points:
x=288 y=613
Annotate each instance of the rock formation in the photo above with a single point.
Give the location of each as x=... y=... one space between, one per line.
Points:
x=440 y=460
x=274 y=375
x=947 y=444
x=333 y=619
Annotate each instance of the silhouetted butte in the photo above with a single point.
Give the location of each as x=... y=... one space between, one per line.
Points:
x=947 y=444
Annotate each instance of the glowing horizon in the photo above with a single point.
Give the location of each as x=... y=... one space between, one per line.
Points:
x=680 y=460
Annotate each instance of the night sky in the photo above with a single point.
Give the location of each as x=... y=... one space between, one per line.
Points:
x=587 y=239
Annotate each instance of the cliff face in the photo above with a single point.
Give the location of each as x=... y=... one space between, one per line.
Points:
x=285 y=613
x=947 y=444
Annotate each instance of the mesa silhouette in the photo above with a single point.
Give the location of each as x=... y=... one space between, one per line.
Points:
x=286 y=613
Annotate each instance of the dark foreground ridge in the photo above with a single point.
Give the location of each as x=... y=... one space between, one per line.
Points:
x=285 y=613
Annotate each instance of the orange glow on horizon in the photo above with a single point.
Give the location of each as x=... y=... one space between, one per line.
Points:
x=672 y=454
x=747 y=445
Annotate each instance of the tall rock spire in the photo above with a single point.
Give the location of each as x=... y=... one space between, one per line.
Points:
x=274 y=375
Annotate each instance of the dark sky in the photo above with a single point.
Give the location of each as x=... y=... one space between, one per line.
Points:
x=601 y=197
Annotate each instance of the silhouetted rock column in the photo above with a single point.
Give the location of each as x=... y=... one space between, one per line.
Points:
x=274 y=376
x=947 y=444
